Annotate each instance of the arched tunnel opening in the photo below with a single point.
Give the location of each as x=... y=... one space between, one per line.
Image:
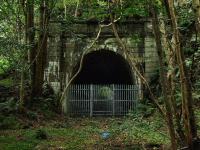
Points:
x=104 y=86
x=104 y=67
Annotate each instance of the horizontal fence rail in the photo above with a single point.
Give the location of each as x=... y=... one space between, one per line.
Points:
x=104 y=100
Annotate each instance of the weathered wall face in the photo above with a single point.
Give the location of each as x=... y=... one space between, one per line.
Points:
x=65 y=47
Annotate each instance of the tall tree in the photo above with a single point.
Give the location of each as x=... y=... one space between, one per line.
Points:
x=196 y=8
x=186 y=90
x=41 y=54
x=163 y=77
x=30 y=37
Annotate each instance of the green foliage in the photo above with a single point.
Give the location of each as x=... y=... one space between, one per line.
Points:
x=135 y=8
x=144 y=110
x=41 y=134
x=85 y=133
x=32 y=115
x=10 y=105
x=185 y=15
x=105 y=93
x=8 y=122
x=12 y=44
x=8 y=82
x=4 y=65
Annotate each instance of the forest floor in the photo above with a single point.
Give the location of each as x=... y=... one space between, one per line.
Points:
x=86 y=133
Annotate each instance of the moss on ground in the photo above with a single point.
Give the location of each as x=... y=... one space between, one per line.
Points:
x=85 y=133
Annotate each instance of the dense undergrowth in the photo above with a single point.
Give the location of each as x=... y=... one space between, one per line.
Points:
x=83 y=133
x=40 y=126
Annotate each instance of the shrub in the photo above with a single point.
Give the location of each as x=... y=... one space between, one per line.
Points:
x=8 y=122
x=32 y=115
x=105 y=92
x=41 y=134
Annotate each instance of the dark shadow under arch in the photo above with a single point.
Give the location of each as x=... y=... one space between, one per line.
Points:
x=104 y=67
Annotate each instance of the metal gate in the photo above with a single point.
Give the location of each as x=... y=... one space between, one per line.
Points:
x=104 y=100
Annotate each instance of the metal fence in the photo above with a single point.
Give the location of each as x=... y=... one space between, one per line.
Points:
x=94 y=100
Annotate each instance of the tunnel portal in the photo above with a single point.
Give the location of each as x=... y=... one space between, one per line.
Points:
x=104 y=67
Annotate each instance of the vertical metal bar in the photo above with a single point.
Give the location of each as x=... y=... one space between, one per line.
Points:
x=85 y=97
x=118 y=102
x=123 y=99
x=73 y=97
x=88 y=98
x=126 y=103
x=68 y=99
x=131 y=99
x=83 y=105
x=84 y=93
x=134 y=96
x=82 y=100
x=91 y=100
x=137 y=98
x=120 y=90
x=77 y=98
x=127 y=99
x=74 y=100
x=113 y=100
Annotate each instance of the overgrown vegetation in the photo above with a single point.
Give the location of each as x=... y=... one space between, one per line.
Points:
x=82 y=133
x=29 y=108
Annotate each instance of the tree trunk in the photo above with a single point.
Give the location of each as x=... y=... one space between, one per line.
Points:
x=31 y=42
x=196 y=8
x=41 y=55
x=187 y=101
x=163 y=78
x=171 y=77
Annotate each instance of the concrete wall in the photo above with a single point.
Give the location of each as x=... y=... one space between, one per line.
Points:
x=66 y=46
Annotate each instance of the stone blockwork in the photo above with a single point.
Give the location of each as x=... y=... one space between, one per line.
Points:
x=66 y=46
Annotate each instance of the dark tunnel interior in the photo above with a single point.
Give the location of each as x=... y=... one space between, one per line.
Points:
x=104 y=67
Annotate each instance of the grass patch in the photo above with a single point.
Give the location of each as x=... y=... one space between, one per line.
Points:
x=85 y=133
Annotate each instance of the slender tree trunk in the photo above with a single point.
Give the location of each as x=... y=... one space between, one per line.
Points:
x=187 y=100
x=163 y=79
x=171 y=77
x=41 y=54
x=62 y=69
x=31 y=42
x=172 y=90
x=29 y=39
x=196 y=8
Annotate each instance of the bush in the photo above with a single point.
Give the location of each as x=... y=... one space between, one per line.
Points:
x=8 y=122
x=143 y=109
x=8 y=106
x=32 y=115
x=105 y=92
x=41 y=134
